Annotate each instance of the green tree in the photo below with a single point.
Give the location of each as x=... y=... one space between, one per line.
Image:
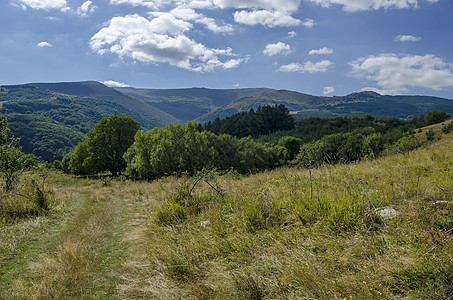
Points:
x=291 y=144
x=164 y=151
x=435 y=117
x=11 y=162
x=104 y=146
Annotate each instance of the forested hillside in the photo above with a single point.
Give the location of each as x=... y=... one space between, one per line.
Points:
x=52 y=118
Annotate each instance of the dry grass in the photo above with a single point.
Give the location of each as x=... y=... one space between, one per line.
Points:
x=272 y=237
x=280 y=234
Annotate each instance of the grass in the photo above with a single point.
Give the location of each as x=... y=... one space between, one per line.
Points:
x=281 y=234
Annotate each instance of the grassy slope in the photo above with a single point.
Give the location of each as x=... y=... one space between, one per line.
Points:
x=276 y=235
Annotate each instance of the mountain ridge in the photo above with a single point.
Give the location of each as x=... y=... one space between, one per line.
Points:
x=56 y=116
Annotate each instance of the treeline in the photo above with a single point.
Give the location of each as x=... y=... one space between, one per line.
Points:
x=179 y=149
x=265 y=120
x=116 y=144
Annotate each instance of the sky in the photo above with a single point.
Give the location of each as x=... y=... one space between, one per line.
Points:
x=318 y=47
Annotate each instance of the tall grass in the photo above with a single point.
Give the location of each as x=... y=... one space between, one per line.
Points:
x=291 y=234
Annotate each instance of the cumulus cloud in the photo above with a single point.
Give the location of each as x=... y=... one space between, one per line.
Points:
x=160 y=40
x=308 y=23
x=184 y=12
x=307 y=67
x=270 y=13
x=394 y=74
x=328 y=90
x=147 y=3
x=321 y=51
x=278 y=48
x=361 y=5
x=266 y=18
x=113 y=83
x=275 y=5
x=407 y=38
x=86 y=8
x=45 y=4
x=44 y=44
x=292 y=34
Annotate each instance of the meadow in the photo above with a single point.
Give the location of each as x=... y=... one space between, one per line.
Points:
x=375 y=229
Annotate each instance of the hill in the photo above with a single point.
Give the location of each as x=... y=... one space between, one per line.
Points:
x=51 y=118
x=190 y=104
x=303 y=105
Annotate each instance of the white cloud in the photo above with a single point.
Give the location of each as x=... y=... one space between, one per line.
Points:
x=86 y=8
x=328 y=90
x=266 y=18
x=361 y=5
x=321 y=51
x=292 y=34
x=308 y=23
x=186 y=13
x=151 y=4
x=274 y=5
x=45 y=4
x=307 y=67
x=44 y=44
x=395 y=74
x=407 y=38
x=278 y=48
x=160 y=40
x=113 y=83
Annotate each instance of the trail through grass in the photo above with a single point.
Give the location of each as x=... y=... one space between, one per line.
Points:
x=281 y=234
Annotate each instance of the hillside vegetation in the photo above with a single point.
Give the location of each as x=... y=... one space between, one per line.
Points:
x=51 y=118
x=375 y=229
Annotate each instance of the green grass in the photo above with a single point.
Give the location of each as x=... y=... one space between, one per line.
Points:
x=282 y=234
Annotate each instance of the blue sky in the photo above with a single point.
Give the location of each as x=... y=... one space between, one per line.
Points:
x=320 y=47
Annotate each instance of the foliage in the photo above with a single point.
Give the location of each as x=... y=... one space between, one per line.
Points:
x=50 y=124
x=341 y=147
x=448 y=128
x=11 y=161
x=104 y=146
x=316 y=128
x=406 y=144
x=265 y=120
x=434 y=117
x=179 y=149
x=291 y=144
x=430 y=135
x=28 y=199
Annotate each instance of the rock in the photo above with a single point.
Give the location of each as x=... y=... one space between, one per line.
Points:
x=386 y=212
x=204 y=224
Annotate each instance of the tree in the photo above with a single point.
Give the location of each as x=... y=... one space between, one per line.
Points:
x=104 y=146
x=435 y=117
x=10 y=156
x=291 y=144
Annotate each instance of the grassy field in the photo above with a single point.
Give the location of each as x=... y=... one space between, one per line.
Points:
x=289 y=233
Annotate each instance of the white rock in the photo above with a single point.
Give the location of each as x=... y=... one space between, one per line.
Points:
x=386 y=212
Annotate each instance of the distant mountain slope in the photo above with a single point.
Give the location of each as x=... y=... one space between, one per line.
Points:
x=51 y=119
x=148 y=116
x=300 y=104
x=192 y=103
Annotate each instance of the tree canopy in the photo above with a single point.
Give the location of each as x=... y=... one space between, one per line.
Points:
x=104 y=146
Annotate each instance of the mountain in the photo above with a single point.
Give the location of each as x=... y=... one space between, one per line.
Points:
x=51 y=118
x=148 y=116
x=190 y=104
x=303 y=105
